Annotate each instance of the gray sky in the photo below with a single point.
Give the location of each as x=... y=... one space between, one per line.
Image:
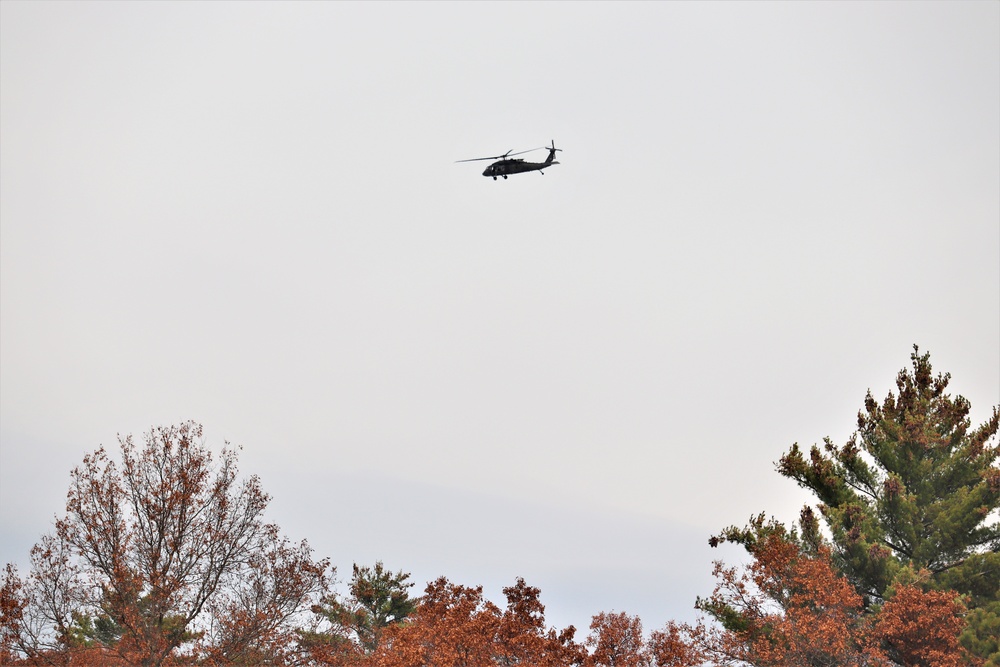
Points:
x=248 y=214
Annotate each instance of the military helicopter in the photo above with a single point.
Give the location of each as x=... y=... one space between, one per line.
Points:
x=507 y=164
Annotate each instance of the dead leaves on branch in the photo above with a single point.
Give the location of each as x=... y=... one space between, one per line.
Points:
x=790 y=606
x=163 y=558
x=170 y=550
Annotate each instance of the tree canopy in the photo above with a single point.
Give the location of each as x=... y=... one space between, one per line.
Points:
x=163 y=558
x=915 y=489
x=164 y=554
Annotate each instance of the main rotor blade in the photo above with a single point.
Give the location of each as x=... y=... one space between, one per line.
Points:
x=527 y=151
x=506 y=155
x=495 y=157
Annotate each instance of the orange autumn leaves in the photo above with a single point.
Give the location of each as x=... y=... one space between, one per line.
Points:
x=787 y=608
x=163 y=559
x=790 y=607
x=922 y=628
x=454 y=626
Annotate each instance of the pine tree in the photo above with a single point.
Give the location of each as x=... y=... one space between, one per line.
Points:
x=914 y=490
x=378 y=599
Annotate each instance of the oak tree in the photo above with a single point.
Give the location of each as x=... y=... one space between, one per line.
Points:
x=165 y=553
x=673 y=647
x=455 y=626
x=522 y=637
x=920 y=628
x=617 y=640
x=790 y=607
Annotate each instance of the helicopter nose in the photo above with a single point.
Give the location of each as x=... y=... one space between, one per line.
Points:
x=488 y=171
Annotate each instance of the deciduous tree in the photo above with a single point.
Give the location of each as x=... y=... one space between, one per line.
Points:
x=522 y=637
x=169 y=553
x=617 y=640
x=789 y=607
x=672 y=647
x=920 y=628
x=455 y=626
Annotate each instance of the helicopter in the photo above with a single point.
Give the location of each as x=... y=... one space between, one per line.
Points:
x=507 y=164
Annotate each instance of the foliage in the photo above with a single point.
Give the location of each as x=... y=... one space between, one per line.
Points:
x=522 y=637
x=349 y=630
x=790 y=607
x=163 y=556
x=164 y=560
x=617 y=641
x=915 y=488
x=90 y=631
x=454 y=626
x=921 y=628
x=672 y=647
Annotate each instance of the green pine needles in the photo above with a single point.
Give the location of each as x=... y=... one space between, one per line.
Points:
x=913 y=496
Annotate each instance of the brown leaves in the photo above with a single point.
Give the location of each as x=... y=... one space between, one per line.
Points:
x=172 y=551
x=616 y=640
x=12 y=607
x=254 y=617
x=455 y=626
x=790 y=608
x=164 y=559
x=921 y=628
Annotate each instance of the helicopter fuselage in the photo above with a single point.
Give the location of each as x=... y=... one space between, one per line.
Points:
x=506 y=167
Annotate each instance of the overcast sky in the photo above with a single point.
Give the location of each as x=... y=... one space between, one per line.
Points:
x=249 y=215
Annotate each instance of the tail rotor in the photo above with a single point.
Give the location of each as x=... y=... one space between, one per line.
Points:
x=552 y=153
